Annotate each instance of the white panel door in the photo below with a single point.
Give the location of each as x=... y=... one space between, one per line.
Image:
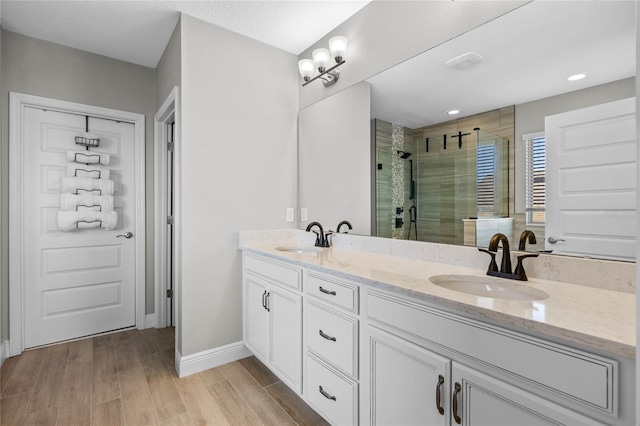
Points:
x=591 y=181
x=81 y=282
x=285 y=331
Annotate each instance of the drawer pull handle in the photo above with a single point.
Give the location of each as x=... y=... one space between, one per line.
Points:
x=326 y=395
x=454 y=406
x=264 y=299
x=326 y=336
x=438 y=397
x=333 y=293
x=268 y=303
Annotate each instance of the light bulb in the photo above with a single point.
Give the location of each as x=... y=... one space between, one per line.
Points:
x=306 y=68
x=338 y=47
x=321 y=58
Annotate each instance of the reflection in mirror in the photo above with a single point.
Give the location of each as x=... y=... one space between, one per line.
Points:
x=477 y=186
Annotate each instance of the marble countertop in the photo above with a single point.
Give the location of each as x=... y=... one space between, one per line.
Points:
x=593 y=317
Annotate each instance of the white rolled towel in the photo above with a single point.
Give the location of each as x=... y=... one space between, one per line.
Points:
x=87 y=201
x=77 y=185
x=88 y=157
x=92 y=171
x=70 y=221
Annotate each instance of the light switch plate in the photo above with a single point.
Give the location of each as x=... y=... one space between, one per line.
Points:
x=304 y=214
x=290 y=214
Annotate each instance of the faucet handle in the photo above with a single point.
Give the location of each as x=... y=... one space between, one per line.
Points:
x=493 y=266
x=522 y=276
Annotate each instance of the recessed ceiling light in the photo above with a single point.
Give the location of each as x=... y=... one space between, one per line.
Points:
x=576 y=77
x=453 y=112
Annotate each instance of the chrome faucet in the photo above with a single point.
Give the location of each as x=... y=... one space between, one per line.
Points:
x=523 y=239
x=321 y=240
x=344 y=222
x=505 y=267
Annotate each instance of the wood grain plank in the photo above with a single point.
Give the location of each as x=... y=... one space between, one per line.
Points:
x=80 y=351
x=74 y=415
x=76 y=388
x=211 y=376
x=137 y=404
x=163 y=390
x=14 y=408
x=269 y=412
x=25 y=373
x=183 y=419
x=47 y=392
x=234 y=408
x=45 y=417
x=105 y=382
x=259 y=371
x=203 y=409
x=6 y=370
x=108 y=414
x=299 y=411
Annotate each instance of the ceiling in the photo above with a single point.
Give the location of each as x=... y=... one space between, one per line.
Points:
x=528 y=55
x=138 y=31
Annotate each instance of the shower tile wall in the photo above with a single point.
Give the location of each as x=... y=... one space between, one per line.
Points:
x=384 y=191
x=440 y=210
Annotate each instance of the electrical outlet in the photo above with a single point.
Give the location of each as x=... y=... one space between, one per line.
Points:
x=290 y=214
x=304 y=214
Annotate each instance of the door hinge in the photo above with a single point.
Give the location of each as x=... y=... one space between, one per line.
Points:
x=169 y=293
x=171 y=146
x=169 y=220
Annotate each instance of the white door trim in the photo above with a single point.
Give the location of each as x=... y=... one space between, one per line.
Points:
x=17 y=104
x=163 y=116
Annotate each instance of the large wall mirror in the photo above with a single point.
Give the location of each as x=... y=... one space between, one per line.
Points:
x=526 y=145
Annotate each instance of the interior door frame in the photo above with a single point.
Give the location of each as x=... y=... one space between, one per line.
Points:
x=17 y=104
x=168 y=110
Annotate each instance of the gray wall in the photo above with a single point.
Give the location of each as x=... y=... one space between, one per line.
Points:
x=385 y=33
x=530 y=118
x=168 y=70
x=335 y=172
x=238 y=170
x=40 y=68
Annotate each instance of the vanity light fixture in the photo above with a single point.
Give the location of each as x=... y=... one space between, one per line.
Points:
x=322 y=62
x=576 y=77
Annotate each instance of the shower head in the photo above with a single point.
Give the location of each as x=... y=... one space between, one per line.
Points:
x=404 y=155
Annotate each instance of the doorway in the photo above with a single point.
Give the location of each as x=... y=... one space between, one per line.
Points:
x=66 y=285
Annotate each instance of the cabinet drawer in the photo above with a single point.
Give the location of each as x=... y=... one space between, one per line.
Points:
x=274 y=271
x=583 y=377
x=333 y=336
x=334 y=396
x=331 y=290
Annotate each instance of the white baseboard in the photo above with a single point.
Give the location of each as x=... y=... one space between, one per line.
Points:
x=150 y=321
x=201 y=361
x=4 y=351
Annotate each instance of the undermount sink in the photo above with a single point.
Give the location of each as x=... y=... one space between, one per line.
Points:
x=299 y=249
x=496 y=288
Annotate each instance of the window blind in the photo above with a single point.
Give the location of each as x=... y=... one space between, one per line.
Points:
x=536 y=176
x=486 y=178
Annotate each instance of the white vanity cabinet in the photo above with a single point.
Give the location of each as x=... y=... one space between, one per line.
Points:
x=406 y=384
x=423 y=363
x=273 y=316
x=331 y=336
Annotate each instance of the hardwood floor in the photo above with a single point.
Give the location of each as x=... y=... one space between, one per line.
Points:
x=129 y=378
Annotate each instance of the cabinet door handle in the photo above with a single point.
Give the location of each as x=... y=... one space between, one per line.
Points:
x=326 y=395
x=454 y=405
x=326 y=336
x=438 y=397
x=264 y=299
x=268 y=303
x=333 y=293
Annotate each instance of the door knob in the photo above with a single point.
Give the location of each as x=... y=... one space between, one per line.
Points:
x=553 y=240
x=126 y=235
